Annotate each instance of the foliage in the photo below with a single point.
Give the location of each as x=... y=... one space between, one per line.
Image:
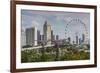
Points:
x=75 y=56
x=69 y=52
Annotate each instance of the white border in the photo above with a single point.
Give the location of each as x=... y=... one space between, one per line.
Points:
x=20 y=65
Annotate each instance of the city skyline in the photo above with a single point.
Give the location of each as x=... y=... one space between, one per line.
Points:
x=32 y=37
x=58 y=22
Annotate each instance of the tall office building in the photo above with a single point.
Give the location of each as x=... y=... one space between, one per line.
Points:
x=57 y=37
x=80 y=41
x=38 y=37
x=42 y=37
x=83 y=38
x=76 y=38
x=47 y=32
x=31 y=36
x=69 y=40
x=23 y=38
x=52 y=36
x=73 y=42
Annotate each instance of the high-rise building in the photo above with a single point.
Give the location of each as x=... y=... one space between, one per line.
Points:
x=69 y=40
x=80 y=41
x=76 y=38
x=83 y=38
x=31 y=36
x=57 y=37
x=52 y=36
x=47 y=32
x=38 y=37
x=73 y=42
x=23 y=38
x=42 y=37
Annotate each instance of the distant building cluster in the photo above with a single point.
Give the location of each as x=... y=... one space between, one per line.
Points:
x=80 y=40
x=77 y=40
x=34 y=37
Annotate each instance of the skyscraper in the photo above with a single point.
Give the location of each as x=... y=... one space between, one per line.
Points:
x=76 y=38
x=42 y=37
x=23 y=38
x=31 y=36
x=80 y=41
x=69 y=40
x=57 y=37
x=38 y=37
x=83 y=38
x=52 y=36
x=47 y=32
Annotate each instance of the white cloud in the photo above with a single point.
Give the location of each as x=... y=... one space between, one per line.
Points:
x=64 y=18
x=34 y=24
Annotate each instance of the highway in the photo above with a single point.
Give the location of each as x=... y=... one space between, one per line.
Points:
x=36 y=47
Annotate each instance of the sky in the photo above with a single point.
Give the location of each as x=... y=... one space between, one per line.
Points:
x=61 y=22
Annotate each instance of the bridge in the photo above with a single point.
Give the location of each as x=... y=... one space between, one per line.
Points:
x=36 y=47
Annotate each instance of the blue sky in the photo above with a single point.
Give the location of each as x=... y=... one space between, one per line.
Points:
x=58 y=22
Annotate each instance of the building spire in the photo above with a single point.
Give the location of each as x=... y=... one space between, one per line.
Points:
x=45 y=22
